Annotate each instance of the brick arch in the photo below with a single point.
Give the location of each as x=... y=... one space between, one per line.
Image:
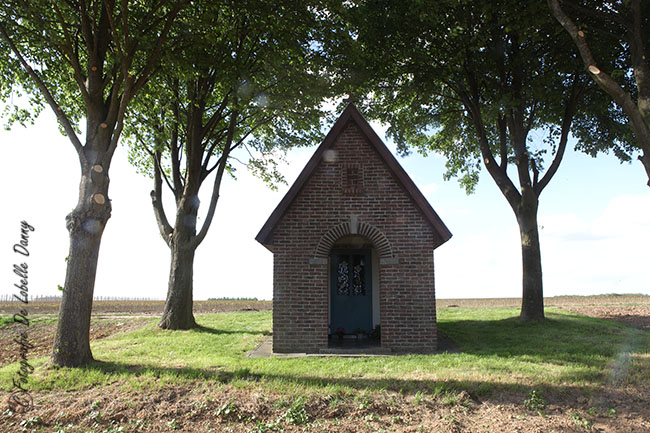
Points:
x=376 y=236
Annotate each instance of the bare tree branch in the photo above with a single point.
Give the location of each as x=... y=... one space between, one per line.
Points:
x=156 y=160
x=500 y=177
x=175 y=147
x=599 y=14
x=503 y=142
x=164 y=227
x=116 y=40
x=217 y=115
x=87 y=31
x=640 y=63
x=125 y=23
x=73 y=58
x=145 y=73
x=58 y=111
x=577 y=91
x=217 y=183
x=127 y=94
x=148 y=23
x=608 y=84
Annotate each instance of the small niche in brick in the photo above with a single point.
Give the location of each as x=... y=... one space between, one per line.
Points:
x=352 y=178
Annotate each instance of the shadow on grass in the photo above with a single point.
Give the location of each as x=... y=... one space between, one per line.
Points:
x=609 y=351
x=215 y=331
x=560 y=340
x=478 y=391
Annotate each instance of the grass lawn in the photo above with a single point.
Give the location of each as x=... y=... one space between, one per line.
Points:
x=571 y=373
x=498 y=354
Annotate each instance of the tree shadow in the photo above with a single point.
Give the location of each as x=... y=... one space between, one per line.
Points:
x=215 y=331
x=478 y=391
x=137 y=370
x=611 y=349
x=616 y=352
x=559 y=340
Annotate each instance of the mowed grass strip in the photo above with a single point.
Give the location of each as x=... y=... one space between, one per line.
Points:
x=498 y=353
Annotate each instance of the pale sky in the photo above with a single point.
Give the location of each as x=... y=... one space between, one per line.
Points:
x=594 y=226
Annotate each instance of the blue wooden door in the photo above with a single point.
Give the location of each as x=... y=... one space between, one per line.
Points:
x=350 y=291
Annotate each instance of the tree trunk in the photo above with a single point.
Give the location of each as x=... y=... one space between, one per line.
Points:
x=645 y=160
x=178 y=307
x=86 y=225
x=532 y=306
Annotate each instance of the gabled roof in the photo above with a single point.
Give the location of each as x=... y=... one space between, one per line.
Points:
x=351 y=114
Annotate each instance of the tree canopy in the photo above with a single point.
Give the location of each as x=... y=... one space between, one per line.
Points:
x=611 y=38
x=472 y=80
x=244 y=82
x=86 y=60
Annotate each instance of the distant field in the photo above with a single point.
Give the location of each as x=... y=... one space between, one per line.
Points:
x=222 y=306
x=142 y=307
x=556 y=301
x=631 y=310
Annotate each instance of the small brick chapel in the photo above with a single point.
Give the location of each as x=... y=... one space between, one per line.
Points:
x=352 y=244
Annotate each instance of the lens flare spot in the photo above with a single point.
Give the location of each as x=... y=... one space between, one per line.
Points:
x=91 y=226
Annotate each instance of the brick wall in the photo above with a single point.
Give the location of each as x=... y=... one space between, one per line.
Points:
x=330 y=197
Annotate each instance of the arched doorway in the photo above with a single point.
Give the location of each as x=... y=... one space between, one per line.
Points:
x=354 y=292
x=351 y=291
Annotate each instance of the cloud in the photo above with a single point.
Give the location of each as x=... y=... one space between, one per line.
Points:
x=602 y=253
x=429 y=189
x=569 y=228
x=623 y=214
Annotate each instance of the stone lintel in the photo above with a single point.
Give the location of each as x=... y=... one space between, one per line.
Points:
x=389 y=261
x=318 y=261
x=354 y=224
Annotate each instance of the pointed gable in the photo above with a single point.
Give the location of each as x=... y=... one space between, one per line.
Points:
x=351 y=114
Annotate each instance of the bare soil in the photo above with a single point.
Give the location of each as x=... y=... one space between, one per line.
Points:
x=631 y=310
x=233 y=409
x=635 y=316
x=227 y=408
x=108 y=318
x=41 y=335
